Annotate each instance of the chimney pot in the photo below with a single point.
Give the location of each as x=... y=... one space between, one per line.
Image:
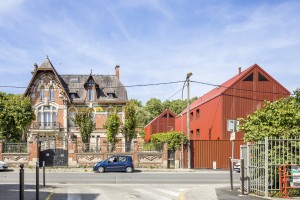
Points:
x=117 y=71
x=35 y=66
x=240 y=70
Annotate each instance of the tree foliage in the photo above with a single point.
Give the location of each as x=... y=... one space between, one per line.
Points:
x=16 y=115
x=154 y=107
x=85 y=122
x=280 y=118
x=173 y=139
x=112 y=127
x=130 y=124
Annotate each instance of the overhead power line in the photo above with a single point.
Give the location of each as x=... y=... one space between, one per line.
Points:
x=156 y=84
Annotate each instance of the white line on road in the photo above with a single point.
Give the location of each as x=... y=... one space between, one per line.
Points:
x=151 y=194
x=175 y=194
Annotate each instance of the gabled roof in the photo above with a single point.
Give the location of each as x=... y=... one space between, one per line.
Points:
x=46 y=66
x=221 y=89
x=105 y=84
x=162 y=114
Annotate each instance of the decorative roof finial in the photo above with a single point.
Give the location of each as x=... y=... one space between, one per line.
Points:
x=91 y=72
x=47 y=57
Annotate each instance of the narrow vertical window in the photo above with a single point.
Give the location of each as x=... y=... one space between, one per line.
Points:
x=191 y=116
x=42 y=93
x=51 y=93
x=198 y=133
x=72 y=114
x=197 y=114
x=91 y=94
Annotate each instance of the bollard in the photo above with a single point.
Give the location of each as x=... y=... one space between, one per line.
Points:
x=231 y=176
x=21 y=182
x=37 y=182
x=44 y=178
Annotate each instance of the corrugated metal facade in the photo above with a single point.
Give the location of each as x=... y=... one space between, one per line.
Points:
x=165 y=122
x=236 y=98
x=242 y=100
x=205 y=152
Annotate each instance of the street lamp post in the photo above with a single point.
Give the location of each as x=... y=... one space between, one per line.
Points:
x=188 y=119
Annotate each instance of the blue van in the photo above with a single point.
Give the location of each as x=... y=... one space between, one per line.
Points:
x=114 y=164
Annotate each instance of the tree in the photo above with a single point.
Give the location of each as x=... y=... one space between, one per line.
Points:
x=137 y=102
x=154 y=107
x=143 y=117
x=130 y=124
x=16 y=115
x=85 y=122
x=174 y=139
x=176 y=106
x=280 y=118
x=112 y=126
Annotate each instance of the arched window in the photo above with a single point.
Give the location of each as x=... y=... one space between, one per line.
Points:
x=47 y=117
x=51 y=93
x=42 y=92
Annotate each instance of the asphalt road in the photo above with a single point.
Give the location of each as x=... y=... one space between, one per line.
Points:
x=114 y=186
x=122 y=178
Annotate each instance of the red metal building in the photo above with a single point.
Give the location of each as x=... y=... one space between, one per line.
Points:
x=164 y=122
x=236 y=98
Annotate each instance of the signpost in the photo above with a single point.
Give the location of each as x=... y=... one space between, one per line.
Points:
x=232 y=125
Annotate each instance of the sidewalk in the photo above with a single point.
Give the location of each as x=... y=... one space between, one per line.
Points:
x=216 y=192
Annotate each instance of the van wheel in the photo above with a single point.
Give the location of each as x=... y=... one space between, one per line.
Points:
x=100 y=169
x=128 y=169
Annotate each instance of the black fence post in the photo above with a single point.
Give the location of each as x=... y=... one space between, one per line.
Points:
x=21 y=182
x=37 y=181
x=44 y=178
x=243 y=176
x=231 y=176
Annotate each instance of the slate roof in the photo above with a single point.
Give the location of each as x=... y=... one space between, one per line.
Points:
x=105 y=84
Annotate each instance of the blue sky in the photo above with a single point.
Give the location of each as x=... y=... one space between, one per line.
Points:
x=153 y=41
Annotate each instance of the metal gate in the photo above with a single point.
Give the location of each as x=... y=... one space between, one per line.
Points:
x=171 y=159
x=262 y=160
x=54 y=152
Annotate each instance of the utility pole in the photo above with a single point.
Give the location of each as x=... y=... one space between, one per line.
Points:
x=188 y=119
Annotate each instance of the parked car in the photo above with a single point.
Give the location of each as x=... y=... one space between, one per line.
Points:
x=3 y=166
x=115 y=163
x=237 y=166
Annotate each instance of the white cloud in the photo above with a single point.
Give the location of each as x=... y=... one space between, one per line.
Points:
x=155 y=41
x=9 y=6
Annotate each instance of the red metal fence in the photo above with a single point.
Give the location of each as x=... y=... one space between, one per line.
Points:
x=206 y=152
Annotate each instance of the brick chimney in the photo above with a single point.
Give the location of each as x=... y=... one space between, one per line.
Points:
x=240 y=70
x=35 y=68
x=117 y=71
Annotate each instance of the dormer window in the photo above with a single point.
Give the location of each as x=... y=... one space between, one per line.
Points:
x=72 y=96
x=111 y=95
x=42 y=93
x=91 y=82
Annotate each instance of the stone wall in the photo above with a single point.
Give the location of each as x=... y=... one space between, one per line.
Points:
x=141 y=159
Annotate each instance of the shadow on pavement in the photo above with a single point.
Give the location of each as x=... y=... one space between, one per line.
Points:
x=12 y=192
x=225 y=194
